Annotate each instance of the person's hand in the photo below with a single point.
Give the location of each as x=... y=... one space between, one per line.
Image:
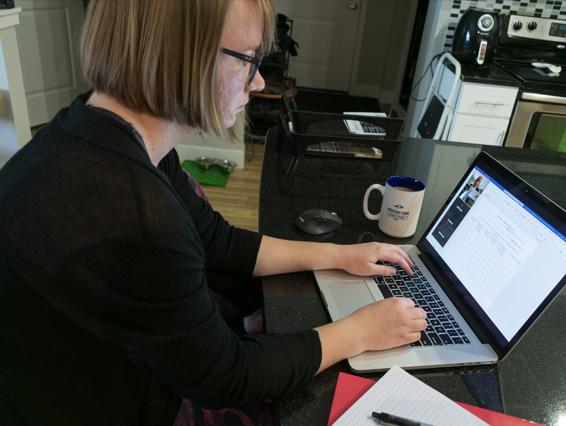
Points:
x=381 y=325
x=360 y=259
x=388 y=323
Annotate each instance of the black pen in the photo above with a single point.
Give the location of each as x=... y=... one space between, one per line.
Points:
x=390 y=419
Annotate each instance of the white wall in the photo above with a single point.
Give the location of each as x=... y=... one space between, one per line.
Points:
x=434 y=34
x=207 y=145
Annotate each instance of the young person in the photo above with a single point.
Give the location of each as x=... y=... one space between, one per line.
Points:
x=105 y=313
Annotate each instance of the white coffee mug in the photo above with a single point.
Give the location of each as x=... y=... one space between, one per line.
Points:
x=400 y=206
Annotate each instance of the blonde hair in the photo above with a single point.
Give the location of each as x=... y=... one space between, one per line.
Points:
x=160 y=56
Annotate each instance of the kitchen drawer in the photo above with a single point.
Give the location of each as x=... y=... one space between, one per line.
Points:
x=486 y=100
x=480 y=130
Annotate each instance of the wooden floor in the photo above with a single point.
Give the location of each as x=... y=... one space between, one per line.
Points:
x=238 y=201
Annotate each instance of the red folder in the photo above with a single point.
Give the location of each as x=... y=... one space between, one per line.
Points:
x=349 y=388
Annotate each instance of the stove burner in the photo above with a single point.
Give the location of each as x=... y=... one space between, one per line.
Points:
x=535 y=79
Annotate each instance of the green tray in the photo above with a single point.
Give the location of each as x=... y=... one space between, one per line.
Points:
x=215 y=175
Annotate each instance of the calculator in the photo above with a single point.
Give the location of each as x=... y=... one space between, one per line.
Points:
x=364 y=128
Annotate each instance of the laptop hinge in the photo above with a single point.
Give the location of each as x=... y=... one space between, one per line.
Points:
x=455 y=297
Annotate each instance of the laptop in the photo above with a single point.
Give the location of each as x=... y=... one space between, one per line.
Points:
x=491 y=261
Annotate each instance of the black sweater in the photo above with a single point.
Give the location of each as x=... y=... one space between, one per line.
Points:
x=105 y=315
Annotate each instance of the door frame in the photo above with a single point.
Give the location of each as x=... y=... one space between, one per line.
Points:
x=358 y=48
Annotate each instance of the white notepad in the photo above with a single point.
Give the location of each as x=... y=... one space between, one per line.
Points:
x=366 y=114
x=401 y=394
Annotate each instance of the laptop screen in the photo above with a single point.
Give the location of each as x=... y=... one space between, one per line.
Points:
x=501 y=247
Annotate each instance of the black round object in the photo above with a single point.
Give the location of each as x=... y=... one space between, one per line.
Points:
x=318 y=221
x=475 y=37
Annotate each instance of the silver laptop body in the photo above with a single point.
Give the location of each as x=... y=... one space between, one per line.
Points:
x=493 y=304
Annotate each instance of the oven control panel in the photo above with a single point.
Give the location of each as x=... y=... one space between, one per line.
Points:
x=543 y=29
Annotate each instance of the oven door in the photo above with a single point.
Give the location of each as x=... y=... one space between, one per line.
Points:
x=539 y=122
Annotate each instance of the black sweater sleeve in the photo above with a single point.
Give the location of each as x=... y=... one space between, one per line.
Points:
x=154 y=300
x=229 y=250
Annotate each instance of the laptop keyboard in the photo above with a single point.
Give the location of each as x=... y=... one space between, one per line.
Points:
x=442 y=328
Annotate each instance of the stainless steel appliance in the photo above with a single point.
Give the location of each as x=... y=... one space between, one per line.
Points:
x=539 y=119
x=475 y=37
x=539 y=122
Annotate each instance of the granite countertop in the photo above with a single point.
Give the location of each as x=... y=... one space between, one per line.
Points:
x=528 y=383
x=489 y=74
x=335 y=184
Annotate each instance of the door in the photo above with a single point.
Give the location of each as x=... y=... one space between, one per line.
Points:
x=48 y=42
x=539 y=122
x=326 y=31
x=548 y=132
x=478 y=129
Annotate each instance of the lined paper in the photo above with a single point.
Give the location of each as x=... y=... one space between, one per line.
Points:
x=401 y=394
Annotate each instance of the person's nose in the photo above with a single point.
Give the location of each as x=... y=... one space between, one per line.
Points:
x=257 y=84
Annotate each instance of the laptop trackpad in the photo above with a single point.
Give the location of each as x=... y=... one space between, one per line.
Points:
x=342 y=292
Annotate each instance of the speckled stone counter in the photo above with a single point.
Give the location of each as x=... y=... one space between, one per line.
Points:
x=489 y=74
x=530 y=382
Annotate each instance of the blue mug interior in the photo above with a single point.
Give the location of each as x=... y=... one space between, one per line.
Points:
x=406 y=181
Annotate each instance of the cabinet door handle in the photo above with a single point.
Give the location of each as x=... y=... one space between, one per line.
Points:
x=499 y=141
x=352 y=6
x=489 y=103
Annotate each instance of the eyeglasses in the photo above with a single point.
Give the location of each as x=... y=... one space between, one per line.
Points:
x=253 y=61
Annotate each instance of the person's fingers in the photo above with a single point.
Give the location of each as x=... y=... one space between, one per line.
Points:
x=405 y=301
x=383 y=270
x=419 y=324
x=418 y=313
x=395 y=249
x=414 y=336
x=409 y=257
x=404 y=255
x=398 y=258
x=389 y=323
x=416 y=316
x=397 y=255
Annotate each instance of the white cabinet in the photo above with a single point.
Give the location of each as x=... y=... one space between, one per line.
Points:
x=475 y=129
x=482 y=113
